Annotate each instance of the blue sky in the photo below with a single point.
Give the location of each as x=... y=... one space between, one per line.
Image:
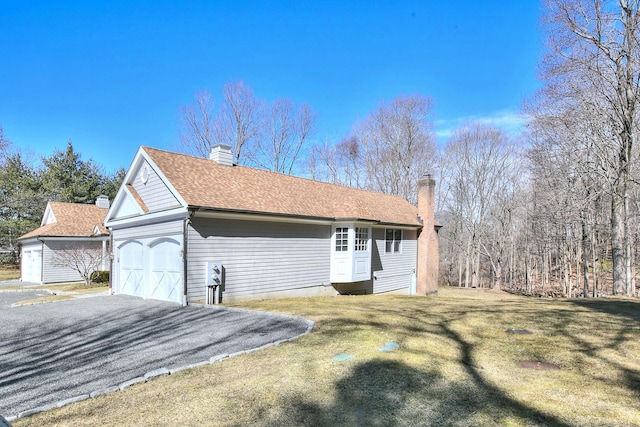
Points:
x=110 y=76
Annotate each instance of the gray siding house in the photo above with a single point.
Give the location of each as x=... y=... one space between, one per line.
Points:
x=70 y=233
x=188 y=229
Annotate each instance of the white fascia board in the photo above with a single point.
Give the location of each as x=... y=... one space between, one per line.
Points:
x=31 y=241
x=177 y=213
x=73 y=238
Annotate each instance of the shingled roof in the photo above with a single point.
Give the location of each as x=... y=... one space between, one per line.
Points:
x=203 y=183
x=72 y=220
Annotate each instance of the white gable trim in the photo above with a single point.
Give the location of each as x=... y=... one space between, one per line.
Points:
x=48 y=217
x=178 y=213
x=125 y=204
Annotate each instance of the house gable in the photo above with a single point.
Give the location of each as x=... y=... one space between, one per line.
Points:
x=48 y=217
x=144 y=191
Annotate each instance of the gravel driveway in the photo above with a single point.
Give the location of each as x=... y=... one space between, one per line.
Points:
x=56 y=352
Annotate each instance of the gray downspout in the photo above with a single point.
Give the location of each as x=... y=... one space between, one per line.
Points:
x=41 y=260
x=185 y=243
x=112 y=254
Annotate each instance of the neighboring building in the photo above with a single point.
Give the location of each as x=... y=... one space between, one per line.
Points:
x=188 y=229
x=67 y=230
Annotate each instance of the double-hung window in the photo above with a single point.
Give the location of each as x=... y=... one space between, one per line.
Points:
x=342 y=239
x=393 y=242
x=362 y=239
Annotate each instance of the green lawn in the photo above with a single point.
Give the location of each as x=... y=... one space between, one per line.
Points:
x=455 y=365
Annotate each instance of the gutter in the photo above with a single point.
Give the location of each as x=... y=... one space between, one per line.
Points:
x=271 y=216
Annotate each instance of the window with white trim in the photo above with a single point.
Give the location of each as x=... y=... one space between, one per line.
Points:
x=362 y=239
x=393 y=243
x=342 y=239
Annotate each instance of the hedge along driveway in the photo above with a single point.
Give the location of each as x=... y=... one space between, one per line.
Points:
x=59 y=351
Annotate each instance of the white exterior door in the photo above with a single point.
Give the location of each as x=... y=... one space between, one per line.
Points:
x=32 y=265
x=165 y=279
x=362 y=254
x=131 y=270
x=350 y=253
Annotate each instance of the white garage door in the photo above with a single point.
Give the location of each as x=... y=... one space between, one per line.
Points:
x=32 y=266
x=166 y=271
x=131 y=271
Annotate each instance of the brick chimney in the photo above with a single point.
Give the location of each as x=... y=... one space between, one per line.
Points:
x=221 y=154
x=428 y=257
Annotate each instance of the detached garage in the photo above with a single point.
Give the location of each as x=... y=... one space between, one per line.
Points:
x=71 y=236
x=189 y=229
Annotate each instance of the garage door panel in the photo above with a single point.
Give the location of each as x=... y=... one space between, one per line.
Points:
x=131 y=275
x=166 y=271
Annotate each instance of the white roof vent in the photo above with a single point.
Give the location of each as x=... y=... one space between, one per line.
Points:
x=221 y=154
x=102 y=201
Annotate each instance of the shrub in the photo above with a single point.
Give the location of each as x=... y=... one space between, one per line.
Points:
x=100 y=276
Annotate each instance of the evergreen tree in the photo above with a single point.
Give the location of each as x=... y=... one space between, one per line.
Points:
x=68 y=178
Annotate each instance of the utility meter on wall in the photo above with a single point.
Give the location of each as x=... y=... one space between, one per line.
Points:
x=215 y=281
x=215 y=274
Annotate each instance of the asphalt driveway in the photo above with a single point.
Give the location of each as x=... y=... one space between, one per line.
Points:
x=56 y=352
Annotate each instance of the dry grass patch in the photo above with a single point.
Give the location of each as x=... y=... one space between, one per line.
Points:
x=40 y=300
x=77 y=287
x=9 y=273
x=456 y=365
x=66 y=290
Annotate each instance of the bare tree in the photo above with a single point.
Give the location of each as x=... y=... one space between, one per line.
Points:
x=594 y=44
x=339 y=163
x=198 y=127
x=285 y=130
x=236 y=122
x=84 y=259
x=483 y=182
x=397 y=145
x=573 y=170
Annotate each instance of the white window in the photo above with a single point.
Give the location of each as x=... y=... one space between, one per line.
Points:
x=393 y=243
x=342 y=239
x=362 y=239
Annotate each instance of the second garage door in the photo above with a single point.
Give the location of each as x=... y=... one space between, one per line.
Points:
x=150 y=269
x=166 y=271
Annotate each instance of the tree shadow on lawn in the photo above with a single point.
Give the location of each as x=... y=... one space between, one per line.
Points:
x=614 y=307
x=629 y=312
x=391 y=393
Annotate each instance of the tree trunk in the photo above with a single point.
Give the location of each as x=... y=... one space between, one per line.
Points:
x=618 y=247
x=585 y=258
x=594 y=259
